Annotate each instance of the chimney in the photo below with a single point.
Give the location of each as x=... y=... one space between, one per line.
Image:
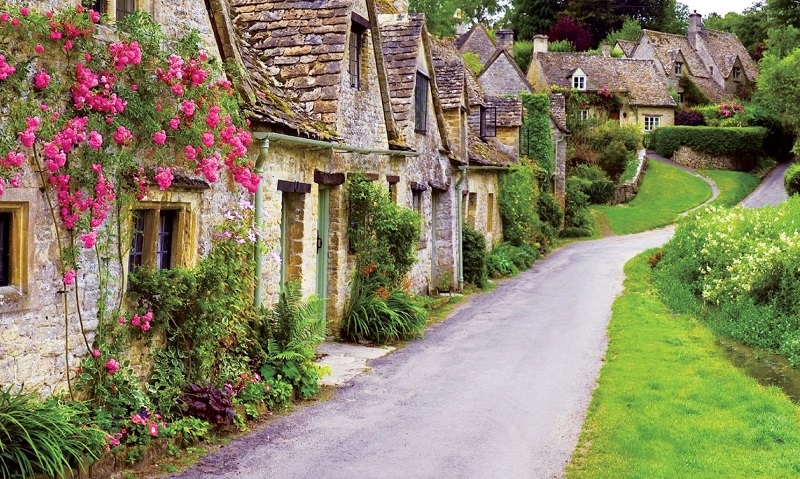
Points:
x=606 y=49
x=695 y=27
x=401 y=6
x=540 y=44
x=505 y=40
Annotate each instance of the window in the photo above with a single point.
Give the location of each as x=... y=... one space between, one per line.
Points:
x=5 y=248
x=651 y=122
x=583 y=115
x=358 y=26
x=421 y=103
x=158 y=234
x=125 y=8
x=737 y=74
x=416 y=200
x=488 y=122
x=579 y=82
x=711 y=69
x=14 y=245
x=680 y=97
x=119 y=8
x=678 y=69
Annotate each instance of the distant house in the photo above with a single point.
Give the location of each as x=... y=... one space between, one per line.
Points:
x=715 y=61
x=643 y=96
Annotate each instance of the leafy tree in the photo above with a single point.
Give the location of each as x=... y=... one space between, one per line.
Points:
x=676 y=18
x=750 y=25
x=603 y=16
x=568 y=29
x=631 y=30
x=784 y=12
x=441 y=15
x=777 y=87
x=532 y=17
x=782 y=41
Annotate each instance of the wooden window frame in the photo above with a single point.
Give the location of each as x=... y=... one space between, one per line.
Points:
x=15 y=251
x=117 y=9
x=421 y=88
x=488 y=122
x=151 y=217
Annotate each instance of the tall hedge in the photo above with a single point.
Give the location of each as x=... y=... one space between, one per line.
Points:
x=743 y=143
x=518 y=196
x=535 y=140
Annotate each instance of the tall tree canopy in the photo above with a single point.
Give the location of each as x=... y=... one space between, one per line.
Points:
x=604 y=16
x=532 y=17
x=441 y=14
x=568 y=29
x=750 y=26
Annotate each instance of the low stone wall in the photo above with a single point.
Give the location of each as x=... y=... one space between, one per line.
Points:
x=702 y=161
x=627 y=191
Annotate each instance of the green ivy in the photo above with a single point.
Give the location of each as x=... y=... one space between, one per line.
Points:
x=692 y=95
x=517 y=201
x=535 y=138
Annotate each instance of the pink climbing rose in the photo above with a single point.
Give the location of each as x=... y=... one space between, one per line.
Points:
x=89 y=239
x=164 y=177
x=160 y=137
x=112 y=366
x=96 y=353
x=69 y=277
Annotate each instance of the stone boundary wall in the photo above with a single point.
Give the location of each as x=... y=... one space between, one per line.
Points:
x=702 y=161
x=626 y=192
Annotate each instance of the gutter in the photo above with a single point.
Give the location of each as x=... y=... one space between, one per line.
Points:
x=260 y=163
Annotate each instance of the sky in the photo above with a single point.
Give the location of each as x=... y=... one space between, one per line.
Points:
x=704 y=7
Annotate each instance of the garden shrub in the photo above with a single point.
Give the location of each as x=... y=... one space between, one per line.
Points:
x=535 y=137
x=507 y=259
x=576 y=211
x=475 y=257
x=517 y=203
x=551 y=214
x=573 y=232
x=613 y=159
x=791 y=180
x=689 y=118
x=744 y=144
x=610 y=131
x=523 y=52
x=597 y=185
x=738 y=269
x=692 y=95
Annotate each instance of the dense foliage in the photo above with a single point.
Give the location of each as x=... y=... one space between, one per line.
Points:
x=508 y=260
x=791 y=179
x=595 y=183
x=743 y=144
x=692 y=94
x=517 y=203
x=738 y=269
x=576 y=210
x=475 y=257
x=567 y=29
x=535 y=138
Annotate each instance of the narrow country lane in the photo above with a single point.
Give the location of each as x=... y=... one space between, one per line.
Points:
x=771 y=190
x=499 y=390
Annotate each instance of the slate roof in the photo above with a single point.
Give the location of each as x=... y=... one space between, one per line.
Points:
x=450 y=74
x=627 y=47
x=294 y=51
x=488 y=152
x=666 y=46
x=474 y=92
x=724 y=48
x=508 y=108
x=400 y=37
x=462 y=39
x=639 y=79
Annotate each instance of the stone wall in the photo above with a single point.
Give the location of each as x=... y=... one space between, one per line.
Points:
x=687 y=157
x=627 y=191
x=502 y=78
x=481 y=209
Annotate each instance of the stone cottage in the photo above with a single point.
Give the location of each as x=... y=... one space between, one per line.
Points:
x=644 y=98
x=715 y=61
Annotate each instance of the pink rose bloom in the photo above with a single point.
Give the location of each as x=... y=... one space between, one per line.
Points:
x=96 y=353
x=208 y=139
x=136 y=320
x=89 y=239
x=177 y=89
x=95 y=141
x=24 y=11
x=159 y=137
x=49 y=14
x=153 y=429
x=69 y=277
x=94 y=16
x=121 y=320
x=68 y=45
x=112 y=366
x=137 y=419
x=190 y=152
x=175 y=123
x=122 y=136
x=188 y=107
x=38 y=48
x=145 y=327
x=164 y=178
x=4 y=17
x=41 y=80
x=15 y=22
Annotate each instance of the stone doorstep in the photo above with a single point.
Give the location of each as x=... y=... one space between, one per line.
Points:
x=347 y=361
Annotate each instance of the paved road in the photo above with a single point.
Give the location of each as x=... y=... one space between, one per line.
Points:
x=499 y=390
x=771 y=191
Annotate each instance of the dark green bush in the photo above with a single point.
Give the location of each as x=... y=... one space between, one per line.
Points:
x=576 y=212
x=791 y=181
x=475 y=257
x=603 y=135
x=522 y=54
x=572 y=232
x=744 y=144
x=550 y=211
x=692 y=95
x=597 y=185
x=613 y=158
x=517 y=204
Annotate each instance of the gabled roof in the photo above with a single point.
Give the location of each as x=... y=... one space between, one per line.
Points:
x=666 y=46
x=475 y=94
x=496 y=58
x=638 y=78
x=488 y=152
x=479 y=28
x=725 y=48
x=508 y=108
x=450 y=72
x=627 y=47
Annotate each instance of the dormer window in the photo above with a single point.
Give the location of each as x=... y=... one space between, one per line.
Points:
x=737 y=74
x=358 y=27
x=421 y=103
x=579 y=81
x=711 y=68
x=488 y=122
x=678 y=69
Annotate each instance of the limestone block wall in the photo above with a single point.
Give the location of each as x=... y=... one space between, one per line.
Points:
x=501 y=78
x=687 y=157
x=626 y=192
x=481 y=209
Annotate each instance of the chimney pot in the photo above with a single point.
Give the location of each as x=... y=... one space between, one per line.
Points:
x=540 y=44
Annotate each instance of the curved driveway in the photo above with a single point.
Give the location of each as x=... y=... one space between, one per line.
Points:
x=499 y=390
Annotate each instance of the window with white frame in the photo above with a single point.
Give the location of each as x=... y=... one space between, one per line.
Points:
x=678 y=69
x=583 y=115
x=579 y=81
x=651 y=122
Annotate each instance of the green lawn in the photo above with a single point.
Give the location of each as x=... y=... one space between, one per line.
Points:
x=665 y=193
x=669 y=404
x=733 y=185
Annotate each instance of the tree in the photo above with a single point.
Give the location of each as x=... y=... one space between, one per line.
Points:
x=568 y=29
x=676 y=18
x=784 y=12
x=750 y=25
x=777 y=88
x=532 y=17
x=441 y=15
x=602 y=16
x=782 y=41
x=631 y=30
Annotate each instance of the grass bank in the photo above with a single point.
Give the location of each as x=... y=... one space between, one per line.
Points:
x=733 y=186
x=669 y=405
x=665 y=193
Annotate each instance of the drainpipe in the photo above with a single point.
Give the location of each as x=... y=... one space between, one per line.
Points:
x=460 y=224
x=259 y=221
x=261 y=160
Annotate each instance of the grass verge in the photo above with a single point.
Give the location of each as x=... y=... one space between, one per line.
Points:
x=665 y=193
x=733 y=186
x=670 y=405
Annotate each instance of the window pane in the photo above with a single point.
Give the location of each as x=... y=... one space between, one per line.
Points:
x=5 y=247
x=166 y=225
x=355 y=59
x=136 y=255
x=125 y=8
x=488 y=122
x=421 y=103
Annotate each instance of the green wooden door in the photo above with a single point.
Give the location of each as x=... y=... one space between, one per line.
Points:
x=323 y=217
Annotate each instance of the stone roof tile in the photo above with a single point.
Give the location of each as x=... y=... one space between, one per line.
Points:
x=487 y=152
x=450 y=72
x=508 y=108
x=558 y=110
x=401 y=36
x=667 y=44
x=627 y=47
x=724 y=48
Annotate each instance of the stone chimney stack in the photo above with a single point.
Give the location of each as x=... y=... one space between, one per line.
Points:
x=606 y=49
x=505 y=40
x=401 y=6
x=540 y=44
x=695 y=27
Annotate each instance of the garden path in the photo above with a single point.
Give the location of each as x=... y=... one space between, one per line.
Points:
x=771 y=190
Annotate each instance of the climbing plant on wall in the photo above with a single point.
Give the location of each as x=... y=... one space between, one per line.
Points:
x=535 y=139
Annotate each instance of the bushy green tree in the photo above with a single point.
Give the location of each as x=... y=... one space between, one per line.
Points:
x=631 y=30
x=533 y=17
x=777 y=88
x=517 y=202
x=612 y=159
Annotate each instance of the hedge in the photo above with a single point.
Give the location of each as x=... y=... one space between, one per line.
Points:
x=791 y=180
x=745 y=143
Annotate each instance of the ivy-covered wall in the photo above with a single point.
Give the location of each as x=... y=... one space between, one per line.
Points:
x=535 y=137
